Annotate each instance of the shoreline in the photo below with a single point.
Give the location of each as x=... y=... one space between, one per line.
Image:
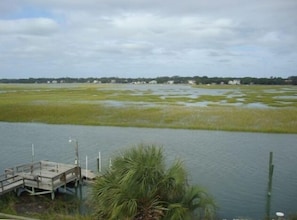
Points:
x=127 y=126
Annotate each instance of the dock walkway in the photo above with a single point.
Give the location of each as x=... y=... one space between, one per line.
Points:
x=40 y=177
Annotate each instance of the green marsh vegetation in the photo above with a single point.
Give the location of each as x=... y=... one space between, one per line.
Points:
x=233 y=108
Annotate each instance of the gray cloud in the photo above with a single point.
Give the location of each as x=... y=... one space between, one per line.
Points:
x=36 y=26
x=115 y=37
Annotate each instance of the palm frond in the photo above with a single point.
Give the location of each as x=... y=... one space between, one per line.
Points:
x=140 y=187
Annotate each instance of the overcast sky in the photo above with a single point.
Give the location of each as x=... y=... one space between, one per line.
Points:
x=148 y=38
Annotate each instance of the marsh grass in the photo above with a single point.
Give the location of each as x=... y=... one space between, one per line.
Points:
x=84 y=104
x=7 y=203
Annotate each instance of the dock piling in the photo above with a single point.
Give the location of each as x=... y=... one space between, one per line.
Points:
x=269 y=189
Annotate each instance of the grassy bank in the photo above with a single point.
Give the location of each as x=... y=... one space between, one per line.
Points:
x=41 y=207
x=116 y=105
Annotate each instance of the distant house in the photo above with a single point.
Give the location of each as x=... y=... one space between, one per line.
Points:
x=53 y=81
x=153 y=82
x=234 y=82
x=170 y=82
x=191 y=82
x=138 y=82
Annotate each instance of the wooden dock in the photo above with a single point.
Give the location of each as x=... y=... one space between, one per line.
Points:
x=41 y=177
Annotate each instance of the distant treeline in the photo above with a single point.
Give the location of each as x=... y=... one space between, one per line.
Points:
x=292 y=80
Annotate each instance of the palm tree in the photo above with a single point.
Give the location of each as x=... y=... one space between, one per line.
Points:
x=138 y=186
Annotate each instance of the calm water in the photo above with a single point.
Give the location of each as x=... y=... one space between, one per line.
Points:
x=233 y=167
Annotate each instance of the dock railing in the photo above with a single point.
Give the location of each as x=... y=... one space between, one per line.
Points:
x=24 y=168
x=9 y=181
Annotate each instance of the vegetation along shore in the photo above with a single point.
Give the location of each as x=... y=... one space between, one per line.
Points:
x=252 y=108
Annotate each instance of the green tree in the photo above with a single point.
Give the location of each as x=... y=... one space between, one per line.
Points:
x=139 y=186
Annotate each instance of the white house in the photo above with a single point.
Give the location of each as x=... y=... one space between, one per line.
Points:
x=234 y=82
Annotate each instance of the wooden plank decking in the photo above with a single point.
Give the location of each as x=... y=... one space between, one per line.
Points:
x=39 y=177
